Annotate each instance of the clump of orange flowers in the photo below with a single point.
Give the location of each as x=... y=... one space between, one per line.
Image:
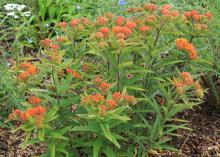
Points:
x=102 y=85
x=185 y=80
x=28 y=70
x=33 y=100
x=36 y=114
x=73 y=73
x=101 y=104
x=183 y=44
x=150 y=7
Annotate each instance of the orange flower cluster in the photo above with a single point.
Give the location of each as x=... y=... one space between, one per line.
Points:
x=121 y=32
x=103 y=33
x=36 y=113
x=119 y=21
x=62 y=24
x=28 y=70
x=101 y=21
x=151 y=18
x=193 y=15
x=33 y=100
x=150 y=7
x=185 y=80
x=144 y=29
x=183 y=44
x=102 y=85
x=198 y=90
x=45 y=42
x=130 y=24
x=73 y=73
x=167 y=12
x=74 y=23
x=103 y=105
x=91 y=99
x=84 y=67
x=60 y=39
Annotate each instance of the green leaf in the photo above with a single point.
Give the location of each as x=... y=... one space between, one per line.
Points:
x=52 y=149
x=107 y=133
x=96 y=147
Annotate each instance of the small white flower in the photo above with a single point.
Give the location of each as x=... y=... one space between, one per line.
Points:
x=26 y=13
x=29 y=40
x=11 y=13
x=46 y=25
x=78 y=7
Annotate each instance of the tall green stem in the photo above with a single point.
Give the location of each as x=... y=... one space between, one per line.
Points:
x=55 y=86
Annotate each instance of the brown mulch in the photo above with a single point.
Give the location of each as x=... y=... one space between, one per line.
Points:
x=10 y=145
x=204 y=140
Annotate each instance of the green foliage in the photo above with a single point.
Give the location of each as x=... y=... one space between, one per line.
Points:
x=93 y=88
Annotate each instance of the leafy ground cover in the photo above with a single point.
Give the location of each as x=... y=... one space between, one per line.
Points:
x=110 y=78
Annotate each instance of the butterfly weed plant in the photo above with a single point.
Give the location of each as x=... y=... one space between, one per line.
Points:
x=112 y=85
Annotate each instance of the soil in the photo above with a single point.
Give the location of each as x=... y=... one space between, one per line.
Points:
x=204 y=140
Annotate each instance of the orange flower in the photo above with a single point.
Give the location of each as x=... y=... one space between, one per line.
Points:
x=109 y=15
x=187 y=14
x=187 y=78
x=112 y=104
x=144 y=29
x=84 y=67
x=23 y=75
x=54 y=47
x=60 y=39
x=178 y=85
x=119 y=21
x=102 y=109
x=73 y=73
x=199 y=91
x=99 y=35
x=174 y=13
x=45 y=42
x=151 y=18
x=97 y=81
x=208 y=15
x=15 y=114
x=151 y=7
x=34 y=100
x=95 y=98
x=130 y=24
x=183 y=44
x=129 y=99
x=117 y=96
x=101 y=20
x=62 y=24
x=74 y=23
x=196 y=17
x=120 y=36
x=180 y=43
x=24 y=116
x=76 y=75
x=104 y=31
x=32 y=70
x=104 y=86
x=25 y=65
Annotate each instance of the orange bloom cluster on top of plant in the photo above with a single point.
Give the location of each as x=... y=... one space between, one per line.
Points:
x=102 y=103
x=28 y=69
x=34 y=113
x=183 y=44
x=185 y=80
